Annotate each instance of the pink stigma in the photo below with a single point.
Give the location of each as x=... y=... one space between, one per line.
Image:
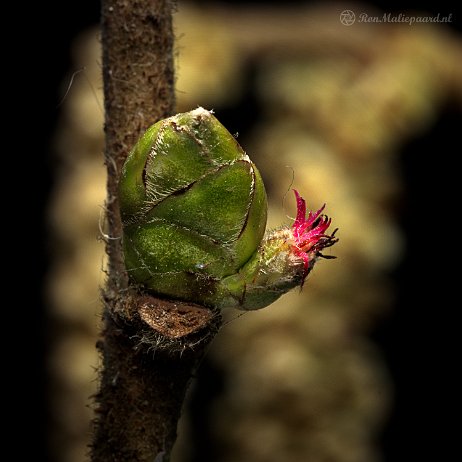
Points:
x=309 y=234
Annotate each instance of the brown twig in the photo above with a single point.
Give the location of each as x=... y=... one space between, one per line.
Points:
x=150 y=347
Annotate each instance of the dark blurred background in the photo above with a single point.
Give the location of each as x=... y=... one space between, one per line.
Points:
x=417 y=337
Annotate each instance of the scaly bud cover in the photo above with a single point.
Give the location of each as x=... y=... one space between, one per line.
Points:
x=194 y=209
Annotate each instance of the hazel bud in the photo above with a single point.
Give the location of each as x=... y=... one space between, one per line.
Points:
x=194 y=210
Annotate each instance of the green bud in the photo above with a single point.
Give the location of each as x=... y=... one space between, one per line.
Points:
x=194 y=209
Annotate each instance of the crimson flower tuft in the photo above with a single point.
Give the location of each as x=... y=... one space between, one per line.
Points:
x=309 y=235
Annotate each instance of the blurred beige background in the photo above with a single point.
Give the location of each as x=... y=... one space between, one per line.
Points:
x=321 y=107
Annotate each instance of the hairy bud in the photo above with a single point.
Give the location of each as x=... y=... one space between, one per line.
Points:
x=194 y=209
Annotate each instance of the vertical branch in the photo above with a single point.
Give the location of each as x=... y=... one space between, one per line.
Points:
x=146 y=367
x=138 y=75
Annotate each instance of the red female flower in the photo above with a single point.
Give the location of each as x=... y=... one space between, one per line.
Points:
x=309 y=237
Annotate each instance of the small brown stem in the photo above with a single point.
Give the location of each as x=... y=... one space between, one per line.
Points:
x=138 y=75
x=150 y=347
x=142 y=389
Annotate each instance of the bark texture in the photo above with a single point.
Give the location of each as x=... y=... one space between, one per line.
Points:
x=150 y=348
